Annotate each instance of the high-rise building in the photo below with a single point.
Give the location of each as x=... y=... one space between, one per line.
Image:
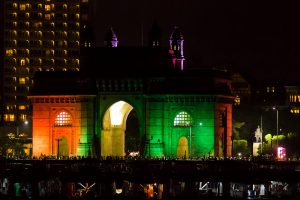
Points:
x=38 y=35
x=1 y=52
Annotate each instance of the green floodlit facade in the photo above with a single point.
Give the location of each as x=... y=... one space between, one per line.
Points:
x=181 y=129
x=180 y=126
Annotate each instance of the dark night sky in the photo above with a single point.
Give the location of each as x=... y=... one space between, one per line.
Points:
x=257 y=36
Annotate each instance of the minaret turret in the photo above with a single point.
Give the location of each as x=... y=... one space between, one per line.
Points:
x=154 y=35
x=176 y=47
x=111 y=39
x=87 y=37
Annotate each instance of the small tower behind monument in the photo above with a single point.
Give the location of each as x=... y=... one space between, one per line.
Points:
x=176 y=48
x=111 y=39
x=155 y=36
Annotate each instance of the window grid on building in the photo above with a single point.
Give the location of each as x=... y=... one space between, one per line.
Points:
x=63 y=119
x=183 y=119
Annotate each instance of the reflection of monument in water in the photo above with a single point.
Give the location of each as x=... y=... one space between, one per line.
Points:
x=257 y=143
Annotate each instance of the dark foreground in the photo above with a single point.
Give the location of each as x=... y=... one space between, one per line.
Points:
x=119 y=179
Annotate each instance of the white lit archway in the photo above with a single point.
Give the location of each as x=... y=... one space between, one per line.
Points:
x=114 y=126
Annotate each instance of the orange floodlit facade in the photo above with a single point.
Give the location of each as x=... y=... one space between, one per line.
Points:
x=59 y=126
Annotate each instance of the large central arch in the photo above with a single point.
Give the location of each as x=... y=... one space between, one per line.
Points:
x=114 y=126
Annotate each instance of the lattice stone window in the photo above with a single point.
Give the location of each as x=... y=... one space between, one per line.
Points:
x=63 y=119
x=183 y=119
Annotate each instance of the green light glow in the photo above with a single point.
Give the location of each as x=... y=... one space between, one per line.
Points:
x=168 y=127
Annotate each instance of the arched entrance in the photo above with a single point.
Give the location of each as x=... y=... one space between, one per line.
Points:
x=62 y=134
x=114 y=127
x=63 y=147
x=182 y=148
x=133 y=145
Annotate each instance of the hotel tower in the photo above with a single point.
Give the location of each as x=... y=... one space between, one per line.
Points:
x=36 y=35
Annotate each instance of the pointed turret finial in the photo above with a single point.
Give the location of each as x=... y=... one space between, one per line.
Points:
x=111 y=39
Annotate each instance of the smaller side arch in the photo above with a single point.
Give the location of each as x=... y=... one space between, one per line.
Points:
x=62 y=135
x=182 y=148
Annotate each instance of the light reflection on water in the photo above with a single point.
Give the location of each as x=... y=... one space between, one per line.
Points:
x=170 y=190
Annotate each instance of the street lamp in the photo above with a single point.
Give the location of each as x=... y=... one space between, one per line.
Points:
x=189 y=124
x=276 y=125
x=190 y=134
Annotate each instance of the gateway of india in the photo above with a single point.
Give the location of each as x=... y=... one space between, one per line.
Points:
x=178 y=111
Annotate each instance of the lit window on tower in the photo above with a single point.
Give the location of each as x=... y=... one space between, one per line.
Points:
x=47 y=16
x=77 y=61
x=9 y=117
x=23 y=117
x=22 y=62
x=22 y=80
x=22 y=107
x=63 y=119
x=47 y=7
x=22 y=6
x=9 y=52
x=183 y=119
x=10 y=107
x=237 y=101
